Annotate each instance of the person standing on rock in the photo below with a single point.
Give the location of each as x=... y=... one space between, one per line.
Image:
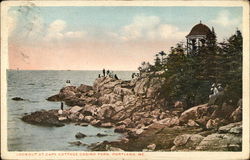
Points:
x=103 y=71
x=116 y=77
x=108 y=72
x=61 y=105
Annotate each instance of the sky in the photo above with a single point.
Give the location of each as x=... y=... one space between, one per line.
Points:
x=115 y=38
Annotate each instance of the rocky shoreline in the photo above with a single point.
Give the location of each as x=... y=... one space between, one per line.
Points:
x=135 y=109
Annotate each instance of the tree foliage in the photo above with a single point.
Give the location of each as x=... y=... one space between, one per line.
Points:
x=190 y=76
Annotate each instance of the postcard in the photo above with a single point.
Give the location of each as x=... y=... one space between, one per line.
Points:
x=125 y=80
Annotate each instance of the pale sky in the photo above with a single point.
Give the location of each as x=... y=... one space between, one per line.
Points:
x=116 y=38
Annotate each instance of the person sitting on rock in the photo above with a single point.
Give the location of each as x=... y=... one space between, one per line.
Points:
x=133 y=75
x=99 y=75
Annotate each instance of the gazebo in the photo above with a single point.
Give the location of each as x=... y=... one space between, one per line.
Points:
x=197 y=37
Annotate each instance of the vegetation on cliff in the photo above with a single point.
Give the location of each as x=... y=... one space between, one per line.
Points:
x=188 y=77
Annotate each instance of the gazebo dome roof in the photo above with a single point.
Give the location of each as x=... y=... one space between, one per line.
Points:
x=199 y=29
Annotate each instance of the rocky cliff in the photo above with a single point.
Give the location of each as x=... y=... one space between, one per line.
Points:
x=135 y=109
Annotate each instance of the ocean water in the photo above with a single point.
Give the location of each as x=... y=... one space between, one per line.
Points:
x=35 y=87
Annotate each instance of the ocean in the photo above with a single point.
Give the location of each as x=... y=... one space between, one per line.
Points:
x=35 y=87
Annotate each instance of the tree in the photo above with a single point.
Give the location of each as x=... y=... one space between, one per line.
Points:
x=162 y=53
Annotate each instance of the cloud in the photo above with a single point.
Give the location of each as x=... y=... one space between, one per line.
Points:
x=148 y=28
x=26 y=25
x=225 y=19
x=57 y=31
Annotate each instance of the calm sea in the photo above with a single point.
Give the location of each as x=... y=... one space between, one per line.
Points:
x=35 y=87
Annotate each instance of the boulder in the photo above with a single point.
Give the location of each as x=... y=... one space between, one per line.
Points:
x=77 y=143
x=88 y=119
x=54 y=98
x=120 y=129
x=74 y=116
x=84 y=88
x=74 y=101
x=213 y=123
x=89 y=109
x=106 y=111
x=179 y=104
x=126 y=122
x=90 y=100
x=95 y=122
x=154 y=85
x=220 y=142
x=236 y=115
x=186 y=142
x=151 y=147
x=122 y=91
x=110 y=148
x=62 y=118
x=81 y=117
x=106 y=125
x=141 y=86
x=170 y=121
x=139 y=131
x=45 y=118
x=194 y=113
x=192 y=123
x=60 y=111
x=101 y=135
x=181 y=140
x=84 y=124
x=80 y=135
x=17 y=99
x=227 y=128
x=76 y=109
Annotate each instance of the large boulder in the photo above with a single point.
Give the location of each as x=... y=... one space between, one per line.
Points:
x=120 y=129
x=231 y=128
x=154 y=86
x=17 y=99
x=194 y=113
x=89 y=110
x=80 y=135
x=220 y=142
x=69 y=91
x=45 y=118
x=106 y=111
x=236 y=115
x=122 y=91
x=186 y=142
x=110 y=98
x=169 y=121
x=76 y=109
x=54 y=98
x=84 y=88
x=141 y=86
x=213 y=123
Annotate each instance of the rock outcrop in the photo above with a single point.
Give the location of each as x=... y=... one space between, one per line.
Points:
x=135 y=109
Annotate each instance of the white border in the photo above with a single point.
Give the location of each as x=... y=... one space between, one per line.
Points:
x=147 y=155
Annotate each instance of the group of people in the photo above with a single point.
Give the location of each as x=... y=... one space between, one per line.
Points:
x=215 y=89
x=134 y=75
x=108 y=74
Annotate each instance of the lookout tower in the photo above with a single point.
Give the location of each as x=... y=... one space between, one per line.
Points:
x=197 y=37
